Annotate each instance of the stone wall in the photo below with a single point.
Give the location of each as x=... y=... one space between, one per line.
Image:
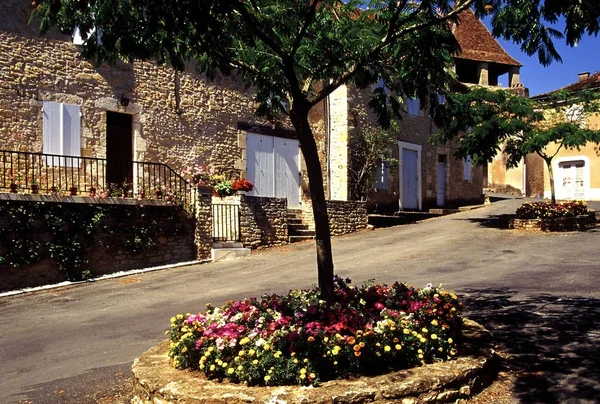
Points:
x=344 y=216
x=127 y=236
x=263 y=221
x=203 y=230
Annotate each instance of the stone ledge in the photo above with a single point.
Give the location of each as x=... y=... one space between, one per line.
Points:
x=581 y=222
x=155 y=381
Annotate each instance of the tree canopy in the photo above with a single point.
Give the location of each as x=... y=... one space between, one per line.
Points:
x=487 y=122
x=302 y=50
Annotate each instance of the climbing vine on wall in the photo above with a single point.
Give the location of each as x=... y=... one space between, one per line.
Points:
x=32 y=231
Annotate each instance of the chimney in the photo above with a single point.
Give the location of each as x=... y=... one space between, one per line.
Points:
x=584 y=75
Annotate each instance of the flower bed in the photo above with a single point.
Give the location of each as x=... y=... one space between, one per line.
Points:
x=565 y=216
x=299 y=339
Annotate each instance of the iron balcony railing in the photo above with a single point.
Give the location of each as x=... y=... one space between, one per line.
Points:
x=72 y=175
x=226 y=222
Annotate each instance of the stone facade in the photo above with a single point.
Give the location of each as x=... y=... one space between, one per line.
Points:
x=582 y=222
x=346 y=217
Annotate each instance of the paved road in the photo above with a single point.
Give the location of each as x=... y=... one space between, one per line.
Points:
x=538 y=293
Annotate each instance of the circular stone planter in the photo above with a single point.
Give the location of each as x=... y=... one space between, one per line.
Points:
x=581 y=222
x=156 y=381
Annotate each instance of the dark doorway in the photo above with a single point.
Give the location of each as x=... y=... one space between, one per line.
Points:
x=119 y=148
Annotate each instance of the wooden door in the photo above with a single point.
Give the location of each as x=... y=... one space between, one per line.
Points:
x=287 y=172
x=410 y=179
x=119 y=148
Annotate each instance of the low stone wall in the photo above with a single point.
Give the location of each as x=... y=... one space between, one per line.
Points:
x=263 y=221
x=156 y=381
x=581 y=222
x=120 y=234
x=344 y=216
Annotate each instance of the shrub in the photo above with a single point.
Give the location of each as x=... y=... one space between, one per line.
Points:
x=224 y=188
x=299 y=339
x=543 y=210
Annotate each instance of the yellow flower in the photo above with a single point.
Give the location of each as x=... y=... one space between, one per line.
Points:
x=184 y=350
x=172 y=319
x=420 y=356
x=302 y=371
x=244 y=341
x=433 y=336
x=450 y=340
x=267 y=378
x=305 y=360
x=302 y=376
x=326 y=339
x=179 y=317
x=266 y=347
x=312 y=375
x=420 y=351
x=230 y=371
x=434 y=322
x=277 y=354
x=251 y=352
x=212 y=367
x=423 y=340
x=255 y=362
x=361 y=344
x=425 y=330
x=210 y=349
x=295 y=360
x=242 y=353
x=240 y=368
x=452 y=352
x=398 y=347
x=335 y=363
x=293 y=354
x=387 y=348
x=357 y=354
x=406 y=331
x=224 y=364
x=219 y=362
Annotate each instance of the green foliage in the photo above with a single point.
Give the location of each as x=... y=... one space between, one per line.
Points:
x=31 y=232
x=370 y=148
x=487 y=122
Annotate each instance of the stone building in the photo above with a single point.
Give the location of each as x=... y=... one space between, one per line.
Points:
x=53 y=102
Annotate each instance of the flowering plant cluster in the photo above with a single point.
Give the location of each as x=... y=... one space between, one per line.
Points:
x=542 y=210
x=243 y=185
x=299 y=339
x=198 y=175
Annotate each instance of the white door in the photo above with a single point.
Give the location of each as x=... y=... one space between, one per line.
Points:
x=410 y=179
x=441 y=183
x=273 y=166
x=570 y=180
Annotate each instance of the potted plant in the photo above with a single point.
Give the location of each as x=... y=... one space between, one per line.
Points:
x=14 y=186
x=224 y=188
x=241 y=186
x=73 y=191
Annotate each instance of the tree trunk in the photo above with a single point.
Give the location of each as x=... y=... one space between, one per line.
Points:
x=551 y=178
x=299 y=118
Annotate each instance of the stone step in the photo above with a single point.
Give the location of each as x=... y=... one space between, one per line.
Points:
x=218 y=254
x=297 y=226
x=307 y=233
x=294 y=239
x=294 y=221
x=228 y=244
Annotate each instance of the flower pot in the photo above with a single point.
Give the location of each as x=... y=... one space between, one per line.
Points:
x=35 y=189
x=205 y=190
x=14 y=188
x=92 y=191
x=72 y=191
x=54 y=190
x=159 y=194
x=242 y=192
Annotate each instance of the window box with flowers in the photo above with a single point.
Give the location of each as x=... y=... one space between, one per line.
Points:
x=242 y=186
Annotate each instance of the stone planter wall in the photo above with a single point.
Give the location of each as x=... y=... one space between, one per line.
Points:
x=156 y=381
x=581 y=222
x=263 y=221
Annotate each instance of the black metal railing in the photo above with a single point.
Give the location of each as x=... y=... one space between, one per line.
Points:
x=26 y=172
x=226 y=222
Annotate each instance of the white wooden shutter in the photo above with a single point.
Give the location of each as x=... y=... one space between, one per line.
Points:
x=287 y=172
x=260 y=164
x=52 y=128
x=383 y=175
x=467 y=168
x=61 y=132
x=71 y=133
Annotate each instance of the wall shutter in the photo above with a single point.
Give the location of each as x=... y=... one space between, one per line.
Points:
x=61 y=132
x=467 y=168
x=383 y=175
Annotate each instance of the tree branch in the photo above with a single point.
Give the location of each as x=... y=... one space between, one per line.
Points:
x=309 y=19
x=331 y=87
x=253 y=23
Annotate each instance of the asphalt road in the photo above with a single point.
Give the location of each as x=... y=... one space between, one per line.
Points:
x=537 y=293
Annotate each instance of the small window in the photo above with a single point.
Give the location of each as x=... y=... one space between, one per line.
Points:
x=441 y=98
x=412 y=106
x=61 y=133
x=77 y=38
x=383 y=175
x=467 y=169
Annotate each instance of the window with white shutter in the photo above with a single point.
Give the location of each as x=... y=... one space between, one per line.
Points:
x=467 y=168
x=413 y=106
x=383 y=175
x=61 y=133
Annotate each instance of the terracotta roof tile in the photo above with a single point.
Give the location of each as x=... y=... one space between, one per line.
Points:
x=592 y=82
x=477 y=42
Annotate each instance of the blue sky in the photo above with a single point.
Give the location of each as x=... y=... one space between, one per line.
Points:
x=539 y=79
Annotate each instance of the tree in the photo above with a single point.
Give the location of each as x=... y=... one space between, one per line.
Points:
x=302 y=50
x=372 y=148
x=484 y=120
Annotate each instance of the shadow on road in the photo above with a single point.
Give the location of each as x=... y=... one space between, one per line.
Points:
x=550 y=342
x=493 y=221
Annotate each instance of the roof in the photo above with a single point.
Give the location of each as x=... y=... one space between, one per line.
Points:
x=592 y=82
x=477 y=42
